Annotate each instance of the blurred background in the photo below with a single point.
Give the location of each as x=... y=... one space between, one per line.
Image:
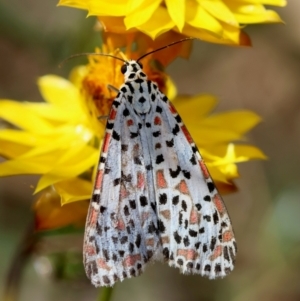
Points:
x=36 y=36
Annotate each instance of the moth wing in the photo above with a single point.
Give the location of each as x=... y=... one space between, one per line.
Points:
x=196 y=232
x=121 y=227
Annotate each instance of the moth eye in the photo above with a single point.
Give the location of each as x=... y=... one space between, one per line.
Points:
x=141 y=65
x=124 y=69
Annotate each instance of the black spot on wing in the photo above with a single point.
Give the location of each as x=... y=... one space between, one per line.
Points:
x=142 y=99
x=211 y=186
x=139 y=81
x=159 y=159
x=193 y=160
x=163 y=198
x=176 y=129
x=130 y=98
x=116 y=136
x=129 y=85
x=156 y=134
x=126 y=112
x=109 y=125
x=133 y=135
x=158 y=109
x=165 y=98
x=116 y=103
x=175 y=173
x=178 y=119
x=170 y=143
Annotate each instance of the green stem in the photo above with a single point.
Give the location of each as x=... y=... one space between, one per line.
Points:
x=105 y=294
x=18 y=263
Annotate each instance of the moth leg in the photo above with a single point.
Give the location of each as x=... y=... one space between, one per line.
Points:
x=112 y=88
x=102 y=117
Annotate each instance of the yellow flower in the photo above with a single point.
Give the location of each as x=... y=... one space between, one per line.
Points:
x=60 y=139
x=218 y=21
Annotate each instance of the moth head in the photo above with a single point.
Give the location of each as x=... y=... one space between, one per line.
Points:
x=133 y=70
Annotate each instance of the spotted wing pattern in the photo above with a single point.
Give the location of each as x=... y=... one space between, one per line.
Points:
x=121 y=235
x=153 y=197
x=194 y=226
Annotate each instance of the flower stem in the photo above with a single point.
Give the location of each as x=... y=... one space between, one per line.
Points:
x=18 y=263
x=105 y=294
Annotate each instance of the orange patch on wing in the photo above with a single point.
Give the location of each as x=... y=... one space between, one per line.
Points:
x=217 y=252
x=166 y=214
x=182 y=187
x=150 y=242
x=90 y=250
x=120 y=224
x=103 y=265
x=204 y=169
x=99 y=178
x=194 y=217
x=187 y=254
x=106 y=142
x=227 y=236
x=129 y=122
x=219 y=204
x=157 y=121
x=165 y=240
x=140 y=180
x=93 y=217
x=172 y=109
x=112 y=114
x=160 y=179
x=130 y=260
x=187 y=134
x=144 y=217
x=123 y=192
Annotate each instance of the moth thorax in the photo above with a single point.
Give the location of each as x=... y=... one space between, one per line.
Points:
x=141 y=98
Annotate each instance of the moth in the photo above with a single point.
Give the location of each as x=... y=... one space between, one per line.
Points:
x=153 y=197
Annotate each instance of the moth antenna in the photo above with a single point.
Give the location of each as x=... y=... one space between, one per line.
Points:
x=89 y=53
x=161 y=48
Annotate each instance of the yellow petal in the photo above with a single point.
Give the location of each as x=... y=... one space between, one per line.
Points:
x=21 y=137
x=231 y=34
x=222 y=155
x=15 y=143
x=142 y=15
x=72 y=164
x=268 y=2
x=171 y=90
x=12 y=150
x=248 y=152
x=194 y=107
x=250 y=13
x=73 y=190
x=81 y=4
x=204 y=137
x=176 y=9
x=15 y=167
x=114 y=25
x=198 y=17
x=216 y=174
x=66 y=139
x=220 y=11
x=114 y=8
x=158 y=24
x=238 y=37
x=23 y=117
x=235 y=121
x=49 y=214
x=60 y=92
